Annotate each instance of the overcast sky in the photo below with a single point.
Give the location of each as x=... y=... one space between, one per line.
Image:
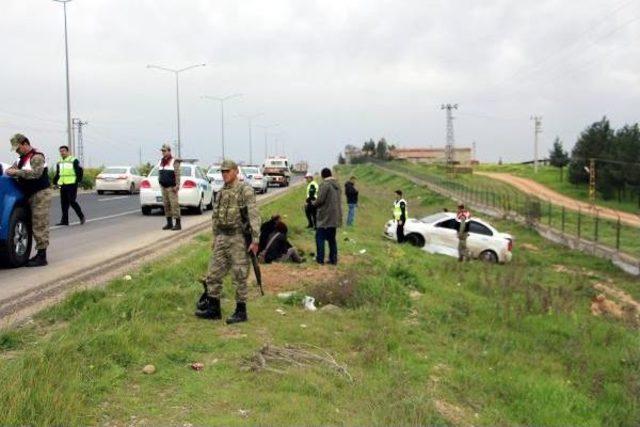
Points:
x=328 y=72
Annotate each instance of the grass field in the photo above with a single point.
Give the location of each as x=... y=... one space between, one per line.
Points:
x=550 y=177
x=426 y=340
x=496 y=193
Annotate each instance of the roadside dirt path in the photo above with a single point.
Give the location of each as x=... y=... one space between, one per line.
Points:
x=531 y=187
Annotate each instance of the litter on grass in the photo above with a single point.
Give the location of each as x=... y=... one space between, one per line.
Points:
x=309 y=303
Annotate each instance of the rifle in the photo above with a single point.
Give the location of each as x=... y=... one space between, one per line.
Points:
x=246 y=233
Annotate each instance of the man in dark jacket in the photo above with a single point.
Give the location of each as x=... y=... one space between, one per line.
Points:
x=68 y=176
x=278 y=248
x=352 y=199
x=329 y=204
x=266 y=229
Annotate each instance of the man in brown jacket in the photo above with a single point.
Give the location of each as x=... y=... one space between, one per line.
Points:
x=329 y=204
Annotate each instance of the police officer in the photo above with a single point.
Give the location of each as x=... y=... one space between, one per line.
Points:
x=32 y=175
x=463 y=216
x=68 y=175
x=169 y=180
x=309 y=209
x=400 y=215
x=230 y=252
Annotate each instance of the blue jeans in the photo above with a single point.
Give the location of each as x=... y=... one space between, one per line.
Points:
x=326 y=234
x=352 y=213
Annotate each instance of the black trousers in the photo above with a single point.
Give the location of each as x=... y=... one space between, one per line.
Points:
x=311 y=212
x=326 y=234
x=68 y=195
x=400 y=233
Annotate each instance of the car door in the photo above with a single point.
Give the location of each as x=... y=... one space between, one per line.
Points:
x=444 y=237
x=479 y=238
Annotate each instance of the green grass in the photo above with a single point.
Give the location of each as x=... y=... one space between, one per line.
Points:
x=476 y=188
x=550 y=177
x=511 y=344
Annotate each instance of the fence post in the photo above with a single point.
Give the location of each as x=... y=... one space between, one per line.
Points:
x=494 y=199
x=595 y=228
x=618 y=235
x=579 y=222
x=549 y=213
x=563 y=217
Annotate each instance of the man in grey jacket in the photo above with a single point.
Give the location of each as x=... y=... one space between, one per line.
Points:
x=329 y=205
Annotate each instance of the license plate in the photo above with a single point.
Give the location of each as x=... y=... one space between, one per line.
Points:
x=109 y=179
x=159 y=199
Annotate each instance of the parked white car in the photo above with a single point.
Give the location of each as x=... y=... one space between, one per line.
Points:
x=254 y=178
x=196 y=193
x=215 y=177
x=119 y=178
x=438 y=234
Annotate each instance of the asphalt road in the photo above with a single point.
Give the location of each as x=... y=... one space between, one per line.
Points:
x=115 y=226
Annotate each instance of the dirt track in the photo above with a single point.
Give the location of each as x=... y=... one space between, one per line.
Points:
x=531 y=187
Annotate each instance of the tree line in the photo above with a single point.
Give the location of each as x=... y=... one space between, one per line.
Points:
x=370 y=150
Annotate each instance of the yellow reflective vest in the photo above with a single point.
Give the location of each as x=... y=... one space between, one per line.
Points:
x=309 y=186
x=67 y=172
x=397 y=210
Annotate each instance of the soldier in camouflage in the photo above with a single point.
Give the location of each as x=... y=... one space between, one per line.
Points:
x=230 y=253
x=169 y=180
x=32 y=174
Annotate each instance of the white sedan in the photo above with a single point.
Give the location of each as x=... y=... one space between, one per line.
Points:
x=254 y=178
x=119 y=178
x=195 y=190
x=215 y=178
x=438 y=234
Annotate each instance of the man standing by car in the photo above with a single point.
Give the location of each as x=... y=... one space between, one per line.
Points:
x=351 y=193
x=400 y=215
x=309 y=208
x=68 y=176
x=32 y=174
x=169 y=180
x=329 y=204
x=230 y=252
x=463 y=232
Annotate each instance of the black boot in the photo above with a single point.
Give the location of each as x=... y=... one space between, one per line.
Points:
x=169 y=225
x=211 y=309
x=240 y=315
x=63 y=222
x=82 y=220
x=178 y=226
x=40 y=260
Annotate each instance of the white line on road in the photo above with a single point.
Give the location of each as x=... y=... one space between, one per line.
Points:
x=98 y=219
x=113 y=198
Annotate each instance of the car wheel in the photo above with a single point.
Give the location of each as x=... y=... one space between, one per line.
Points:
x=210 y=205
x=132 y=188
x=415 y=240
x=100 y=192
x=199 y=209
x=488 y=256
x=146 y=210
x=17 y=248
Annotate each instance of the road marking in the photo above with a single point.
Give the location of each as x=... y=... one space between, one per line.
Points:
x=102 y=218
x=113 y=198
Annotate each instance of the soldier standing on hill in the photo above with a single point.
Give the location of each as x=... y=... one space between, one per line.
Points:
x=230 y=253
x=32 y=175
x=463 y=232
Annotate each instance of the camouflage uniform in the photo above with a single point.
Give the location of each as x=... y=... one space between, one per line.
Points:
x=170 y=201
x=39 y=202
x=463 y=252
x=229 y=248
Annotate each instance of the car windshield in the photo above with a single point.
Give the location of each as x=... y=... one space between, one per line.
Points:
x=213 y=170
x=250 y=171
x=114 y=171
x=184 y=171
x=434 y=217
x=275 y=163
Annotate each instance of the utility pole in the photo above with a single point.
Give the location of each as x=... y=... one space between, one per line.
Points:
x=221 y=100
x=177 y=73
x=78 y=124
x=449 y=151
x=140 y=156
x=473 y=151
x=249 y=118
x=266 y=147
x=537 y=130
x=66 y=54
x=592 y=182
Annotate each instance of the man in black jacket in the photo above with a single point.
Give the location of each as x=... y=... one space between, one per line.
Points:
x=68 y=175
x=278 y=248
x=352 y=199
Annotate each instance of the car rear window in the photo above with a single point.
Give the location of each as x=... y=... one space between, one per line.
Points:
x=250 y=171
x=477 y=228
x=114 y=171
x=450 y=224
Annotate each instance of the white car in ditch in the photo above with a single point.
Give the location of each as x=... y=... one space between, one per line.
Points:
x=438 y=234
x=195 y=191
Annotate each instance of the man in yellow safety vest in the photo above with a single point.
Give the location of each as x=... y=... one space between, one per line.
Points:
x=68 y=175
x=309 y=209
x=400 y=215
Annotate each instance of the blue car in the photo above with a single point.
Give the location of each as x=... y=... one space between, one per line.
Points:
x=15 y=224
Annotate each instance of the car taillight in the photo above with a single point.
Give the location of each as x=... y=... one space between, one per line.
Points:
x=189 y=184
x=145 y=184
x=510 y=245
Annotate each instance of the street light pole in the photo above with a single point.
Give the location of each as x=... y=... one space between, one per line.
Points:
x=66 y=54
x=250 y=121
x=266 y=128
x=221 y=100
x=177 y=73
